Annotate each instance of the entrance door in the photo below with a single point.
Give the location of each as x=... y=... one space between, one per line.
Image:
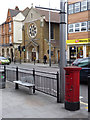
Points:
x=33 y=55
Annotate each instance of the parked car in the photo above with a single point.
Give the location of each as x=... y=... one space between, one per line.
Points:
x=4 y=61
x=85 y=64
x=76 y=61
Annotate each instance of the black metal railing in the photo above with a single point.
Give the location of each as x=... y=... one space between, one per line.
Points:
x=45 y=82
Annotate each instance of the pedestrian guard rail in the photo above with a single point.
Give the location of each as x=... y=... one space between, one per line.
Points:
x=46 y=82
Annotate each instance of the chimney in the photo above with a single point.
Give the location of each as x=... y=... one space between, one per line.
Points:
x=16 y=8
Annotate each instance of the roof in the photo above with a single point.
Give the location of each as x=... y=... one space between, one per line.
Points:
x=54 y=16
x=25 y=11
x=14 y=12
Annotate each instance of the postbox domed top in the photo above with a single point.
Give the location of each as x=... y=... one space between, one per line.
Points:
x=73 y=68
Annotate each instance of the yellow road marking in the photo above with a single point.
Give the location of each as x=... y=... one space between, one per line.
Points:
x=86 y=107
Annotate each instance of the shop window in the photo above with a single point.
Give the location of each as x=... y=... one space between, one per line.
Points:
x=80 y=52
x=88 y=4
x=70 y=9
x=77 y=27
x=70 y=28
x=84 y=26
x=77 y=7
x=73 y=52
x=88 y=51
x=83 y=5
x=88 y=25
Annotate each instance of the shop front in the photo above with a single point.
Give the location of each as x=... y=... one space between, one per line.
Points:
x=78 y=48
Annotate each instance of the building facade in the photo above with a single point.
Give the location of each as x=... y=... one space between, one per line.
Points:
x=29 y=29
x=11 y=32
x=78 y=43
x=36 y=36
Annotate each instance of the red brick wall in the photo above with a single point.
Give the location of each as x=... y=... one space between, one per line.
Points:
x=73 y=1
x=76 y=18
x=79 y=35
x=6 y=33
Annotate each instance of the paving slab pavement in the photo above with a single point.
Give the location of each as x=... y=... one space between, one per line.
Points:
x=19 y=104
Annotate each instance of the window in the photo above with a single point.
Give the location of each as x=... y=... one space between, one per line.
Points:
x=70 y=9
x=89 y=4
x=52 y=31
x=3 y=40
x=84 y=26
x=70 y=28
x=32 y=32
x=77 y=7
x=88 y=25
x=77 y=27
x=10 y=39
x=83 y=5
x=3 y=29
x=10 y=27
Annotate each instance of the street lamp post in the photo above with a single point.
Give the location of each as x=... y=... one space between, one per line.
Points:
x=49 y=38
x=62 y=49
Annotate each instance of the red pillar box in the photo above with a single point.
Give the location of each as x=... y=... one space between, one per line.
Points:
x=72 y=83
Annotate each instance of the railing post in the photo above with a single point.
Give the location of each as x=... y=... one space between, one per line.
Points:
x=34 y=80
x=16 y=85
x=88 y=93
x=5 y=73
x=58 y=100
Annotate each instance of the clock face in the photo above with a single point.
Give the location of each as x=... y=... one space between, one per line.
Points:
x=32 y=30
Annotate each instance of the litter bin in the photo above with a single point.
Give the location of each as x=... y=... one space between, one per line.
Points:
x=2 y=79
x=72 y=83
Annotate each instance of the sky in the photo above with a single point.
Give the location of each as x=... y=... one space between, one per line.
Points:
x=22 y=4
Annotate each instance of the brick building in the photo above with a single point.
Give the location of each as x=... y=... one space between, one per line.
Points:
x=11 y=32
x=78 y=43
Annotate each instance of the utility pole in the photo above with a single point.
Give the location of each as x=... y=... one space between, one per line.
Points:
x=49 y=28
x=49 y=38
x=62 y=49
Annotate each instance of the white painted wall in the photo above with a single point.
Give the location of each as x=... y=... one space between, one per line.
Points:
x=17 y=27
